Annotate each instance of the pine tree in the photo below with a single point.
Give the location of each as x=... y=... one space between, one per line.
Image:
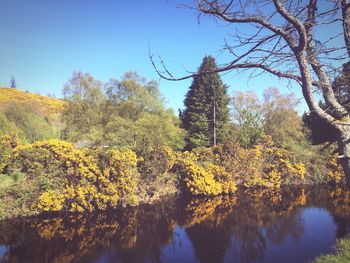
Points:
x=13 y=82
x=206 y=114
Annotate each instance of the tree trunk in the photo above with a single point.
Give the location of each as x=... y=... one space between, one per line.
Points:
x=344 y=152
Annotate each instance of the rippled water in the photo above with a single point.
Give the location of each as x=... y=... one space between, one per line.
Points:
x=291 y=225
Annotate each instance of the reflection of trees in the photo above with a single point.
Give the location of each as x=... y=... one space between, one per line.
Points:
x=214 y=223
x=132 y=235
x=340 y=209
x=205 y=222
x=272 y=210
x=210 y=242
x=283 y=227
x=336 y=199
x=243 y=224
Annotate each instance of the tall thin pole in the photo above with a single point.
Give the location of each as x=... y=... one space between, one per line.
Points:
x=214 y=122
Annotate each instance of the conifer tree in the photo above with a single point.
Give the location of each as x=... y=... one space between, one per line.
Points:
x=206 y=114
x=13 y=82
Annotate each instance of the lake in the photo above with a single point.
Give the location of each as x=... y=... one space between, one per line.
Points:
x=288 y=225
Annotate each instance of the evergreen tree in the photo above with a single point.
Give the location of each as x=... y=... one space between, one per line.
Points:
x=13 y=82
x=206 y=114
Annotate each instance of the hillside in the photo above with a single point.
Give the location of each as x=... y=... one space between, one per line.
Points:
x=43 y=105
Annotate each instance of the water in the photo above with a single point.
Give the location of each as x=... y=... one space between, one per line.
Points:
x=292 y=225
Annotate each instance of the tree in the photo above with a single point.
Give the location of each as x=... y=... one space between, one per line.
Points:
x=284 y=42
x=84 y=109
x=127 y=113
x=320 y=130
x=248 y=118
x=281 y=121
x=13 y=82
x=274 y=116
x=140 y=119
x=206 y=114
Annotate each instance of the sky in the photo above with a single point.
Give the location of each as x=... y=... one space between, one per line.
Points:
x=43 y=42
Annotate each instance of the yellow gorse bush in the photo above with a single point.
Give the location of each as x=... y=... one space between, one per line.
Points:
x=7 y=144
x=280 y=168
x=120 y=169
x=203 y=178
x=80 y=185
x=335 y=173
x=50 y=200
x=63 y=178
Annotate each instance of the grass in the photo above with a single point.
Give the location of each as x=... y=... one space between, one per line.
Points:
x=341 y=255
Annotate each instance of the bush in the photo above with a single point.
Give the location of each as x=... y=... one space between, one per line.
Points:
x=120 y=169
x=157 y=180
x=62 y=178
x=264 y=165
x=202 y=178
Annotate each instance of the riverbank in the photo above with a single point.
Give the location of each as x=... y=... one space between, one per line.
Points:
x=341 y=255
x=54 y=176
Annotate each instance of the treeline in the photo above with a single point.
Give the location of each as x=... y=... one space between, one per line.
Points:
x=120 y=145
x=126 y=113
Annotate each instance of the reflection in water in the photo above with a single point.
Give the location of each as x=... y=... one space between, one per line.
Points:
x=253 y=226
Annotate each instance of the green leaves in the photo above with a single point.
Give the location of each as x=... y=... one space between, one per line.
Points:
x=129 y=113
x=206 y=95
x=250 y=128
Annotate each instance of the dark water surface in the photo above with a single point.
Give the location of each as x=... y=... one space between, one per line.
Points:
x=291 y=225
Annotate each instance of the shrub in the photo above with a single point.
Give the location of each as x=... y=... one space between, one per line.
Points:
x=62 y=178
x=7 y=144
x=335 y=173
x=120 y=168
x=157 y=180
x=264 y=165
x=280 y=168
x=202 y=178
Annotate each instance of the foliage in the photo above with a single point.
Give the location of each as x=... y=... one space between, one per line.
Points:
x=265 y=165
x=41 y=105
x=281 y=121
x=157 y=179
x=28 y=125
x=54 y=176
x=150 y=130
x=319 y=130
x=84 y=108
x=274 y=116
x=206 y=93
x=129 y=114
x=156 y=161
x=6 y=127
x=62 y=178
x=7 y=144
x=342 y=253
x=120 y=169
x=248 y=119
x=250 y=128
x=202 y=178
x=335 y=173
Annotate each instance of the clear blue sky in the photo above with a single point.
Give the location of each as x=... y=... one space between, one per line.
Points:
x=43 y=42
